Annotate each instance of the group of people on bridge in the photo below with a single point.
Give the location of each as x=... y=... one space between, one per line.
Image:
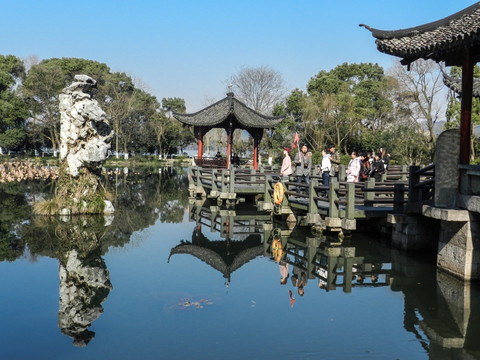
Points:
x=360 y=168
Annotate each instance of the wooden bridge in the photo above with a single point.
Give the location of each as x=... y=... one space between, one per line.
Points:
x=336 y=207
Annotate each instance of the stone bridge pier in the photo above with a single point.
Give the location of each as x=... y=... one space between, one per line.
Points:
x=450 y=224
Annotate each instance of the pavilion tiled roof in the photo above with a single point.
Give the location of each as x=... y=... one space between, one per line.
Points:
x=442 y=40
x=455 y=84
x=217 y=113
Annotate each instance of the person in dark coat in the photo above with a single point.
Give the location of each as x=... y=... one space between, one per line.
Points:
x=378 y=168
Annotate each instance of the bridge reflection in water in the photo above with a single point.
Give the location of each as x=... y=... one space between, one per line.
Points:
x=439 y=309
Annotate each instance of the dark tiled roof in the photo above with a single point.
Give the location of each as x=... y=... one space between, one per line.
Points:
x=442 y=40
x=217 y=113
x=456 y=85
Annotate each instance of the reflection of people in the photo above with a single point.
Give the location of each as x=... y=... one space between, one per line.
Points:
x=286 y=169
x=299 y=280
x=283 y=267
x=322 y=275
x=303 y=160
x=292 y=299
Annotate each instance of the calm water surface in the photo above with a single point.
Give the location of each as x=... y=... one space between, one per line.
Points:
x=166 y=278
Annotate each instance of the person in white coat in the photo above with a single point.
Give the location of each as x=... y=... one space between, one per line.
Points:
x=353 y=168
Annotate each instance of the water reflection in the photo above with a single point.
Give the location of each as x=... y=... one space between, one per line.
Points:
x=15 y=209
x=442 y=312
x=140 y=199
x=241 y=231
x=84 y=278
x=333 y=264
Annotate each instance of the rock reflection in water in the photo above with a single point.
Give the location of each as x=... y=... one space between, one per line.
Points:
x=78 y=243
x=84 y=278
x=84 y=286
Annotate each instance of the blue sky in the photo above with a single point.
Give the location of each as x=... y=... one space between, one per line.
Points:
x=188 y=49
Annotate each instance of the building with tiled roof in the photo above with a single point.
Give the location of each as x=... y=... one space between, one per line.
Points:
x=455 y=84
x=229 y=114
x=454 y=40
x=441 y=40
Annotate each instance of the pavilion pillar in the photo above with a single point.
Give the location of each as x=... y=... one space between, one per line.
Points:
x=229 y=145
x=200 y=143
x=466 y=107
x=255 y=151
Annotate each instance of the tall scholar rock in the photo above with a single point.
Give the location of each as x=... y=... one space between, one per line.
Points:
x=85 y=137
x=85 y=134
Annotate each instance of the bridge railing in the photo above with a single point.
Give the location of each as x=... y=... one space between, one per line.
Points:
x=421 y=183
x=225 y=183
x=340 y=199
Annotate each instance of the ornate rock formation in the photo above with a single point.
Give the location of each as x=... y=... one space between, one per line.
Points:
x=84 y=131
x=85 y=140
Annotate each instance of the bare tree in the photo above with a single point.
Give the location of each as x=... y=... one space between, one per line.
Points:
x=423 y=88
x=258 y=87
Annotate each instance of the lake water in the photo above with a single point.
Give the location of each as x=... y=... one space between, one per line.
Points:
x=170 y=279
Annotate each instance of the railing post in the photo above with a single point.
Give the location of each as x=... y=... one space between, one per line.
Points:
x=413 y=179
x=342 y=173
x=369 y=195
x=384 y=176
x=404 y=172
x=331 y=272
x=350 y=207
x=232 y=180
x=347 y=273
x=191 y=181
x=266 y=196
x=333 y=199
x=214 y=181
x=224 y=176
x=199 y=180
x=253 y=177
x=398 y=198
x=312 y=194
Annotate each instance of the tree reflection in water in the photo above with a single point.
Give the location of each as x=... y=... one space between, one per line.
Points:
x=140 y=199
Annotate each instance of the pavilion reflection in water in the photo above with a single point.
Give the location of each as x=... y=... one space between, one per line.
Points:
x=439 y=309
x=242 y=231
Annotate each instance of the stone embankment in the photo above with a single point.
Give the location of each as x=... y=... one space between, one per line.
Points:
x=16 y=171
